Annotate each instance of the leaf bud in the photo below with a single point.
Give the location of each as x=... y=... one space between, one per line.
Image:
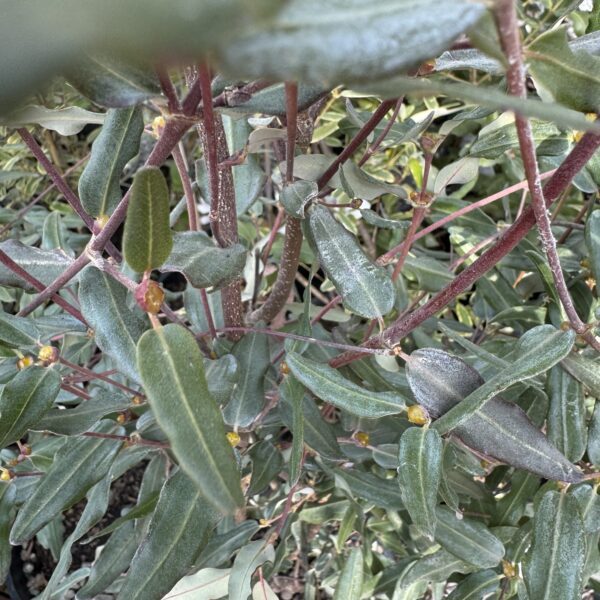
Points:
x=417 y=415
x=150 y=296
x=24 y=362
x=233 y=438
x=362 y=438
x=48 y=355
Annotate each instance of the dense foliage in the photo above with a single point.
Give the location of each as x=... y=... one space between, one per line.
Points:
x=324 y=275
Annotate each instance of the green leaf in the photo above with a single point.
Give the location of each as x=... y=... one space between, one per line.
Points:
x=585 y=370
x=310 y=167
x=589 y=506
x=117 y=144
x=117 y=328
x=292 y=393
x=462 y=171
x=329 y=385
x=115 y=559
x=557 y=555
x=267 y=462
x=468 y=539
x=109 y=81
x=7 y=497
x=221 y=546
x=372 y=218
x=36 y=46
x=248 y=178
x=431 y=274
x=593 y=448
x=248 y=398
x=202 y=262
x=318 y=435
x=499 y=429
x=566 y=415
x=494 y=143
x=592 y=241
x=95 y=508
x=480 y=96
x=511 y=507
x=142 y=509
x=78 y=465
x=172 y=371
x=44 y=265
x=271 y=100
x=206 y=584
x=350 y=582
x=73 y=421
x=222 y=376
x=25 y=400
x=477 y=586
x=249 y=558
x=296 y=195
x=573 y=79
x=365 y=288
x=178 y=531
x=382 y=492
x=433 y=568
x=147 y=238
x=18 y=332
x=65 y=121
x=539 y=349
x=393 y=36
x=419 y=474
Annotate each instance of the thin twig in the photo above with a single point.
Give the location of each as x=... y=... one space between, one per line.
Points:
x=61 y=184
x=375 y=145
x=168 y=89
x=182 y=169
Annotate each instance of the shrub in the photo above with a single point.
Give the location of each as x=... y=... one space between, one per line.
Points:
x=346 y=333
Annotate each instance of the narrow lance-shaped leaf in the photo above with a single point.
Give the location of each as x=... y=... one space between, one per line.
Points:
x=557 y=555
x=365 y=288
x=571 y=78
x=566 y=414
x=147 y=238
x=393 y=35
x=468 y=539
x=65 y=121
x=541 y=348
x=117 y=144
x=248 y=398
x=592 y=241
x=117 y=328
x=114 y=560
x=295 y=196
x=499 y=429
x=477 y=586
x=7 y=497
x=585 y=370
x=249 y=558
x=95 y=508
x=419 y=473
x=111 y=82
x=178 y=531
x=329 y=385
x=206 y=584
x=292 y=392
x=24 y=401
x=77 y=466
x=44 y=265
x=202 y=263
x=18 y=332
x=172 y=372
x=350 y=582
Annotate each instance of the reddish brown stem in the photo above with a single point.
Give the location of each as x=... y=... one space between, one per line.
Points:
x=375 y=145
x=223 y=212
x=186 y=182
x=168 y=89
